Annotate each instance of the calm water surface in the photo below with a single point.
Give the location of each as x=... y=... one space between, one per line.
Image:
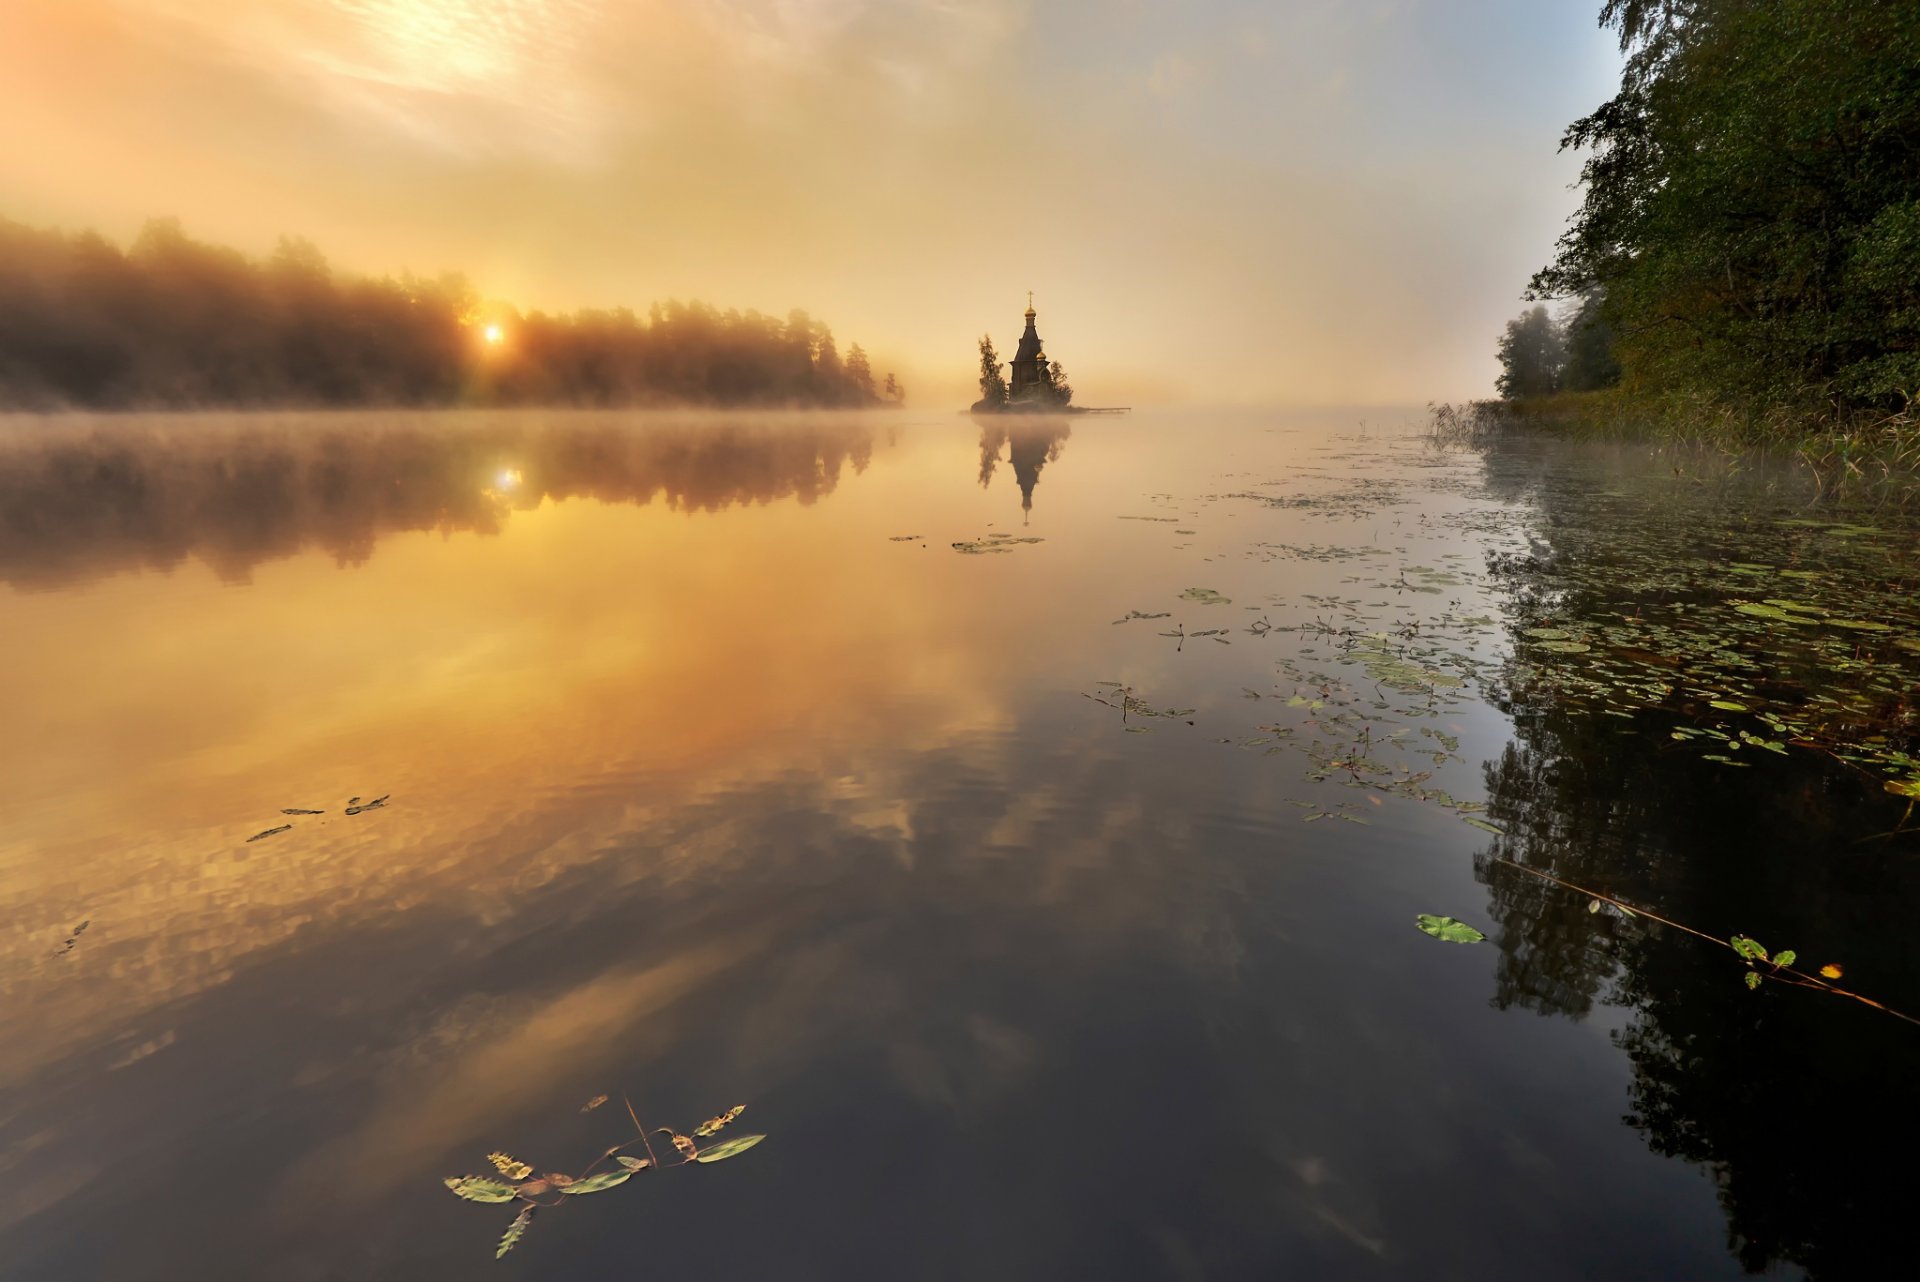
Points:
x=1042 y=940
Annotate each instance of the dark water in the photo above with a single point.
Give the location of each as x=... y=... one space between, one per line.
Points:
x=1040 y=943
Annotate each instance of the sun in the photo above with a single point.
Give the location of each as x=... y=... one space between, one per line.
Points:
x=492 y=333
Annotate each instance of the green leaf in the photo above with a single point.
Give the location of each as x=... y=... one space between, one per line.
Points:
x=1785 y=957
x=728 y=1148
x=1753 y=979
x=598 y=1183
x=633 y=1163
x=1450 y=929
x=1484 y=826
x=477 y=1188
x=515 y=1231
x=1748 y=948
x=1903 y=787
x=1727 y=705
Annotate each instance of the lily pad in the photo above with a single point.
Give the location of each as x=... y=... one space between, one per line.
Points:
x=1566 y=647
x=1450 y=929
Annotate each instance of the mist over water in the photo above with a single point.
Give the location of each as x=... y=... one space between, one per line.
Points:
x=1048 y=899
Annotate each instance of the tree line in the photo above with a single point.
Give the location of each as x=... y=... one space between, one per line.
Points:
x=1750 y=226
x=171 y=322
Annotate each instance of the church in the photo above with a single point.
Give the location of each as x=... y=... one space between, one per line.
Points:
x=1032 y=380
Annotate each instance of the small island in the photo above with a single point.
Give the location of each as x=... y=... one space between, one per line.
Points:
x=1039 y=386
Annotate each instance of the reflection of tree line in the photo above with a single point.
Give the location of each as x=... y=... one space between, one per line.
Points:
x=79 y=502
x=175 y=322
x=1795 y=1103
x=1029 y=447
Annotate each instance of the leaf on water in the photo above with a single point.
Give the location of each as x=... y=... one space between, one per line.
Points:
x=1484 y=826
x=632 y=1163
x=729 y=1148
x=510 y=1167
x=378 y=803
x=1862 y=625
x=558 y=1180
x=515 y=1231
x=714 y=1125
x=1832 y=970
x=681 y=1142
x=532 y=1188
x=593 y=1103
x=598 y=1183
x=1748 y=947
x=477 y=1188
x=1727 y=705
x=1450 y=929
x=1903 y=787
x=1785 y=957
x=902 y=538
x=1548 y=634
x=1565 y=647
x=1753 y=979
x=297 y=811
x=270 y=832
x=1205 y=596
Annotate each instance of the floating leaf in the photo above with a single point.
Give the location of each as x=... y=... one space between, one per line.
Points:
x=1832 y=970
x=510 y=1167
x=1484 y=826
x=1565 y=647
x=297 y=811
x=593 y=1103
x=1205 y=596
x=558 y=1180
x=1753 y=979
x=680 y=1142
x=1903 y=788
x=632 y=1163
x=598 y=1183
x=729 y=1148
x=515 y=1231
x=476 y=1188
x=1862 y=625
x=532 y=1188
x=1548 y=634
x=1450 y=929
x=1727 y=705
x=270 y=832
x=714 y=1125
x=1748 y=947
x=1785 y=957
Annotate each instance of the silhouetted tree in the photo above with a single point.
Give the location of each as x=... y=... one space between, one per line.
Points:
x=1530 y=356
x=993 y=385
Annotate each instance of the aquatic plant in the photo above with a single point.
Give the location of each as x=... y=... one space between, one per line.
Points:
x=520 y=1183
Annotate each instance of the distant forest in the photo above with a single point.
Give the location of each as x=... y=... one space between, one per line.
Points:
x=172 y=322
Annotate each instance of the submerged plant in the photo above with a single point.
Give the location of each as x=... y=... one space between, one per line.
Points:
x=533 y=1191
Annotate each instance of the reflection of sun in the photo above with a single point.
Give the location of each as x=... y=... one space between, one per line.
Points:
x=509 y=478
x=492 y=333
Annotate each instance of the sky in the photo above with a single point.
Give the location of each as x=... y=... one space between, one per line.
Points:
x=1213 y=201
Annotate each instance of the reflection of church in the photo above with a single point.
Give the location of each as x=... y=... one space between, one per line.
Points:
x=1029 y=447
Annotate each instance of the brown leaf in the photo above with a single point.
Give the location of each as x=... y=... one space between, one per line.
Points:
x=681 y=1142
x=593 y=1103
x=633 y=1163
x=714 y=1125
x=532 y=1188
x=558 y=1180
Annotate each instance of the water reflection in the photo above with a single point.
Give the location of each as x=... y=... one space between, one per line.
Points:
x=92 y=497
x=1783 y=1096
x=1030 y=447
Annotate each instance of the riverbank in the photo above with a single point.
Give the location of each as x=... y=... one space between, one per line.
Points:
x=1836 y=449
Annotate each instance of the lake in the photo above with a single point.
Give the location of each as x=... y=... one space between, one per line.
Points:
x=1027 y=824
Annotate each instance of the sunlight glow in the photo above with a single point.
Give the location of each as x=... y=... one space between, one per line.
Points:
x=492 y=333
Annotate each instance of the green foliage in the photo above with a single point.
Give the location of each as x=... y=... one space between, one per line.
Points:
x=598 y=1183
x=728 y=1148
x=1752 y=205
x=1449 y=929
x=475 y=1188
x=516 y=1230
x=1531 y=354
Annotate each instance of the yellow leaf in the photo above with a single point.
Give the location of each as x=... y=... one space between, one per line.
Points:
x=1832 y=970
x=512 y=1168
x=594 y=1103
